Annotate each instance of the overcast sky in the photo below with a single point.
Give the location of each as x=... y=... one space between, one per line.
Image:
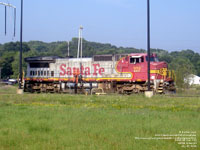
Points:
x=175 y=24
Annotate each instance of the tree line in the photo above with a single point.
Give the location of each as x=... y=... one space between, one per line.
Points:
x=184 y=62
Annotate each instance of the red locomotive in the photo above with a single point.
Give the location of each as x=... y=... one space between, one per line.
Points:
x=122 y=73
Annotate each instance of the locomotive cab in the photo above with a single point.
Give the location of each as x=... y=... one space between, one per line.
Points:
x=158 y=70
x=136 y=64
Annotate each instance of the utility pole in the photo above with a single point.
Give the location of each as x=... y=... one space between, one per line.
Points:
x=0 y=73
x=20 y=56
x=148 y=41
x=11 y=6
x=5 y=20
x=7 y=4
x=148 y=93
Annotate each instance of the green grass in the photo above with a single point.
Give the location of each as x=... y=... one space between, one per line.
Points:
x=110 y=122
x=8 y=89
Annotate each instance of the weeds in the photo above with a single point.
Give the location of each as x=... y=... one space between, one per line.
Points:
x=62 y=121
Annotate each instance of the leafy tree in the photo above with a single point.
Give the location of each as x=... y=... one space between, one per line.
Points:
x=183 y=67
x=9 y=55
x=61 y=50
x=15 y=46
x=183 y=62
x=39 y=46
x=5 y=64
x=15 y=62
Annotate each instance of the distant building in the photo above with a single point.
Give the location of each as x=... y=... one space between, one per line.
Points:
x=192 y=79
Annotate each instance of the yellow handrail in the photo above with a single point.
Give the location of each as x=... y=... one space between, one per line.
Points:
x=171 y=74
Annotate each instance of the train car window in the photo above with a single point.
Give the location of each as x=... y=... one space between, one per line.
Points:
x=156 y=59
x=52 y=73
x=39 y=65
x=152 y=59
x=132 y=60
x=38 y=73
x=41 y=73
x=45 y=73
x=31 y=73
x=35 y=73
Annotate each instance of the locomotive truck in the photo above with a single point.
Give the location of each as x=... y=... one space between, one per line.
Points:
x=121 y=73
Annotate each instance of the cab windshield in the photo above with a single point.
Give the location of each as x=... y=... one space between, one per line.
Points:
x=152 y=59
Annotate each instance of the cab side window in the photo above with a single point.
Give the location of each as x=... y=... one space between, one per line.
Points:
x=136 y=60
x=142 y=59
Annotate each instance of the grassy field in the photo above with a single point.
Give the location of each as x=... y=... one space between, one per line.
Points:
x=110 y=122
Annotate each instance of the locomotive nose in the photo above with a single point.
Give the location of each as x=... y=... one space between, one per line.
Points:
x=160 y=68
x=159 y=65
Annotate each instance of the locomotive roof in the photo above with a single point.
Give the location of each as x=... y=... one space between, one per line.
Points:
x=41 y=59
x=141 y=54
x=50 y=59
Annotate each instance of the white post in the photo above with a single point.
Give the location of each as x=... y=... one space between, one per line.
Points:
x=78 y=53
x=81 y=41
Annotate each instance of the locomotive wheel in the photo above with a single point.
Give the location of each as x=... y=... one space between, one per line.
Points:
x=98 y=91
x=93 y=91
x=136 y=90
x=120 y=90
